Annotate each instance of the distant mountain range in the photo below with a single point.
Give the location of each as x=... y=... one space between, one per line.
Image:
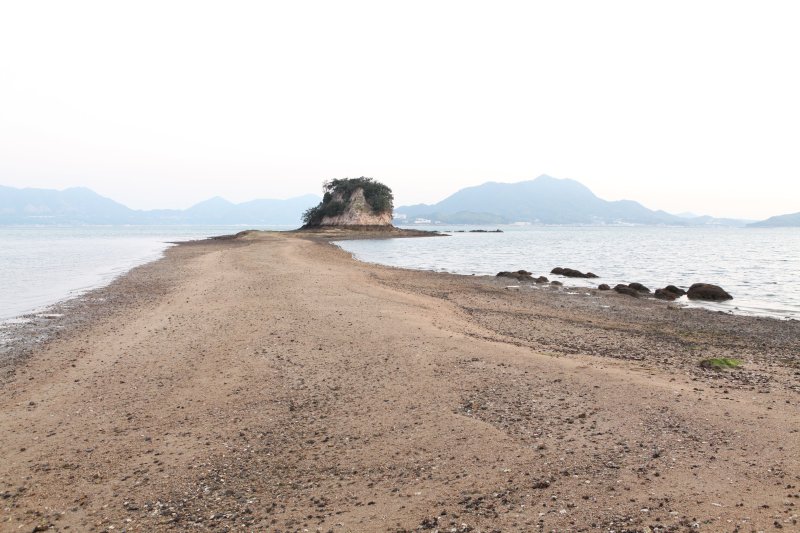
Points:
x=83 y=206
x=780 y=221
x=545 y=200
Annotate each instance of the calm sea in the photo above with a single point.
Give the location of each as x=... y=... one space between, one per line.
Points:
x=41 y=265
x=759 y=267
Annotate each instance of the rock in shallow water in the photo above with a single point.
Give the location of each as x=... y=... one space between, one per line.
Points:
x=521 y=275
x=674 y=289
x=670 y=292
x=708 y=292
x=662 y=294
x=638 y=287
x=572 y=273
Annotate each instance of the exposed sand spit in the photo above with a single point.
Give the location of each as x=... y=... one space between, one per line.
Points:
x=273 y=383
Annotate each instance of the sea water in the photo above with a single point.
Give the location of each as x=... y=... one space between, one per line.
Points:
x=759 y=267
x=41 y=265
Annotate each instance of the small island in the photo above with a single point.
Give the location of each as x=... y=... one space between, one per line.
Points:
x=352 y=202
x=353 y=208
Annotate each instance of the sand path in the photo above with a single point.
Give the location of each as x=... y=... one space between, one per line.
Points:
x=278 y=385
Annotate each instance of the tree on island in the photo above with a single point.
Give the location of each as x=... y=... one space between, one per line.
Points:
x=352 y=202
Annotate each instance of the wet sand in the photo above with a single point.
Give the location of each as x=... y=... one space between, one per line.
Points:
x=272 y=383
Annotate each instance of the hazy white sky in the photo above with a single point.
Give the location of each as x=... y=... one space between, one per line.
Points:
x=683 y=106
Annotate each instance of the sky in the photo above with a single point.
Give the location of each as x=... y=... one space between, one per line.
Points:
x=682 y=106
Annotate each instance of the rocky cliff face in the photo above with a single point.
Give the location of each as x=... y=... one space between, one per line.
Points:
x=357 y=213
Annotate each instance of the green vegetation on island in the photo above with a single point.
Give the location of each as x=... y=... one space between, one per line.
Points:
x=338 y=196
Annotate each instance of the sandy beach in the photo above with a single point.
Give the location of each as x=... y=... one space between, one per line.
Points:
x=272 y=383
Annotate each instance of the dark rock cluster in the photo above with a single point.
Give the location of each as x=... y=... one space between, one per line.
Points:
x=572 y=273
x=519 y=275
x=522 y=275
x=698 y=291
